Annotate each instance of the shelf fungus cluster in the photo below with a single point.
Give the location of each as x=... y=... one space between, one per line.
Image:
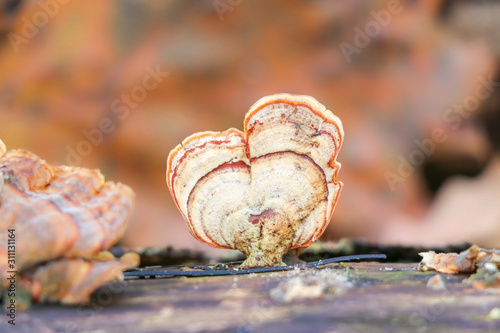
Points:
x=57 y=220
x=484 y=263
x=266 y=190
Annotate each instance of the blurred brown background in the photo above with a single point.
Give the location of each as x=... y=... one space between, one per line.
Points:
x=85 y=83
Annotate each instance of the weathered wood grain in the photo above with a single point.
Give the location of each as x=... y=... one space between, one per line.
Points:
x=384 y=298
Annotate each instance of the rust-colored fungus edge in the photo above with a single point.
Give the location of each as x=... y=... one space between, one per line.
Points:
x=179 y=153
x=321 y=111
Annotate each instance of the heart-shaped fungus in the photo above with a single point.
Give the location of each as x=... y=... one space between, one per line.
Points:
x=267 y=190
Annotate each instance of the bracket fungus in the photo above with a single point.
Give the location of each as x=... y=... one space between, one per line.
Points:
x=264 y=191
x=58 y=212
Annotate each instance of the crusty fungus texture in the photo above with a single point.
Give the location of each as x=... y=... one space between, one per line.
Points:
x=60 y=217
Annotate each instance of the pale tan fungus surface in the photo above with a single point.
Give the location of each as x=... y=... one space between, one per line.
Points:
x=266 y=190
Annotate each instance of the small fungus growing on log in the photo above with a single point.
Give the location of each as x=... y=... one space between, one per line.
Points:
x=266 y=190
x=485 y=263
